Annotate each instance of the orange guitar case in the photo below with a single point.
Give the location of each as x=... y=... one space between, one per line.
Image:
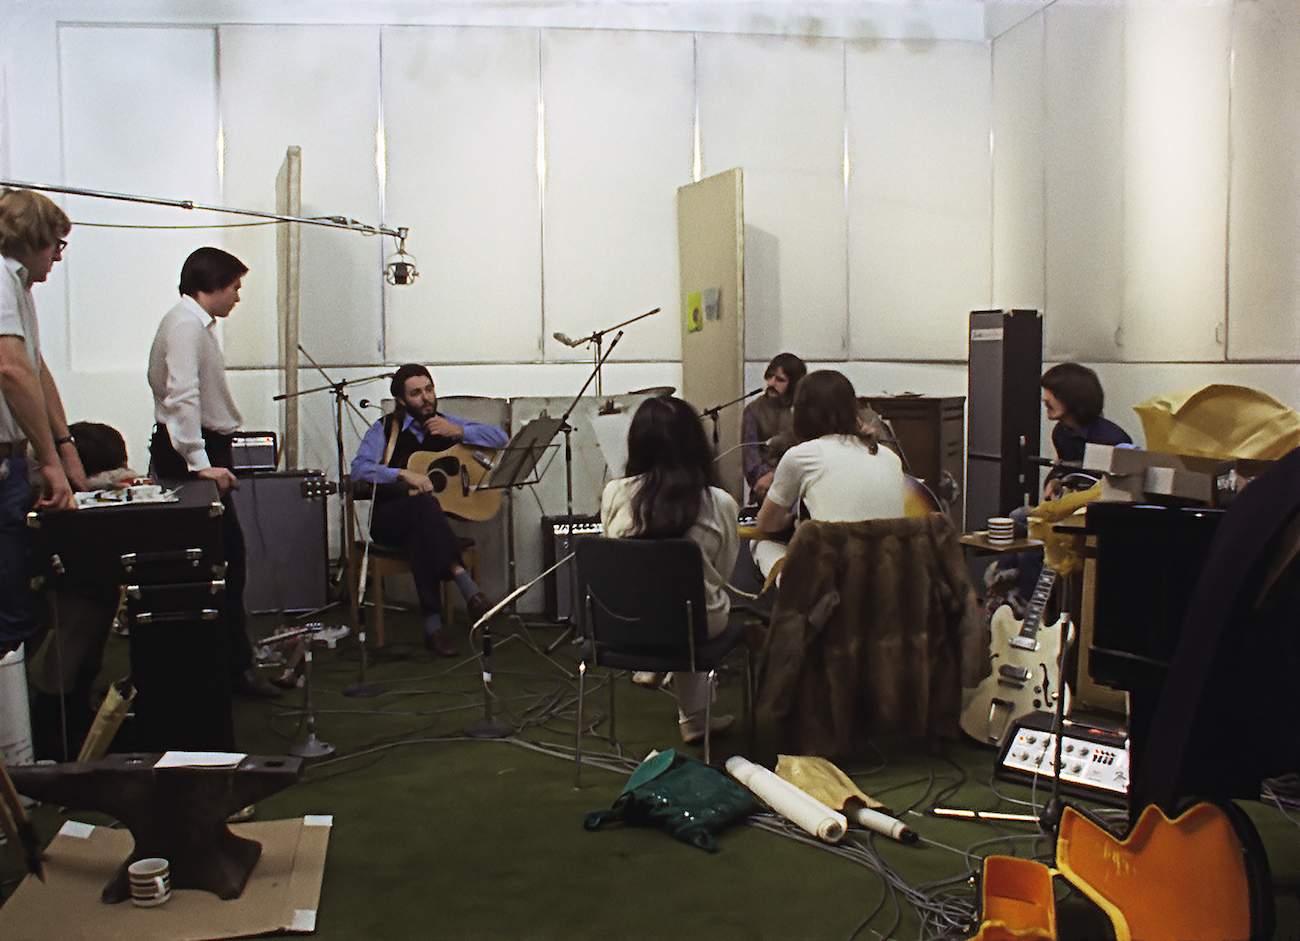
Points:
x=1202 y=875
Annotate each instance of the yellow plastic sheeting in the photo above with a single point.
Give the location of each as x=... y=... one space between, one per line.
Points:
x=1219 y=421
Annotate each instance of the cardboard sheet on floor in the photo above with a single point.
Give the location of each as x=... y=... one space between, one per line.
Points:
x=282 y=893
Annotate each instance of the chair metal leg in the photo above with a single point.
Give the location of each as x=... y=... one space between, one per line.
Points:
x=610 y=678
x=708 y=720
x=577 y=736
x=747 y=703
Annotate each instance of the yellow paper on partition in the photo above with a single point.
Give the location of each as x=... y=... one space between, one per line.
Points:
x=1220 y=421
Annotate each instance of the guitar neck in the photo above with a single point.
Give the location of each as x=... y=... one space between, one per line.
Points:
x=1034 y=612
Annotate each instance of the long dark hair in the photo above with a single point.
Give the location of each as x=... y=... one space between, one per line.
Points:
x=825 y=404
x=668 y=450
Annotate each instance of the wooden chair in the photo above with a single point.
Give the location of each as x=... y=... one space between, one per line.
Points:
x=382 y=561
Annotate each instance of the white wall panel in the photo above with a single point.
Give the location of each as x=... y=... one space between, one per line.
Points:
x=920 y=194
x=774 y=108
x=460 y=117
x=1263 y=236
x=1175 y=162
x=316 y=87
x=1019 y=126
x=1084 y=180
x=139 y=117
x=619 y=141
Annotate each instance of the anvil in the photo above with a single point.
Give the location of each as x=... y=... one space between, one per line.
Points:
x=177 y=813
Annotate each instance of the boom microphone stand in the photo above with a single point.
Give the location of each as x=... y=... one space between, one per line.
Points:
x=712 y=413
x=488 y=727
x=596 y=339
x=568 y=482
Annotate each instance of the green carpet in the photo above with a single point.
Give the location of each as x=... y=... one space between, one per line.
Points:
x=437 y=835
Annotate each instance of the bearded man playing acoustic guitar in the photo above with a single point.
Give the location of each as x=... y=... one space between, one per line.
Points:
x=414 y=519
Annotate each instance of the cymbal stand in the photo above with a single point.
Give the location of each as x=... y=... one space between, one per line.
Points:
x=568 y=482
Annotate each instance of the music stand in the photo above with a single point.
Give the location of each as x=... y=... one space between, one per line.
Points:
x=520 y=455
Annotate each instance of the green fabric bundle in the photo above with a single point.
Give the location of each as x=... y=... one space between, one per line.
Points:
x=675 y=792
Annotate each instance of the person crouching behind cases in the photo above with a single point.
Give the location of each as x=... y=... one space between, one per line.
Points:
x=415 y=520
x=670 y=491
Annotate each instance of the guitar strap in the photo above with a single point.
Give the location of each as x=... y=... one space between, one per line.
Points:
x=394 y=429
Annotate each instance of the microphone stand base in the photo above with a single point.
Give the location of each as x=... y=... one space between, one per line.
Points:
x=362 y=689
x=489 y=728
x=312 y=747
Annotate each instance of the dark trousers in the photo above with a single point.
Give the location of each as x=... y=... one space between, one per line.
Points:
x=418 y=526
x=167 y=464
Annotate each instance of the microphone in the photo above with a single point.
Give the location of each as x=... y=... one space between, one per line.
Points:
x=366 y=403
x=567 y=340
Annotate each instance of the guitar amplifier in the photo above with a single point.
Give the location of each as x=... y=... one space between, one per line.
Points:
x=1094 y=757
x=558 y=586
x=282 y=515
x=252 y=451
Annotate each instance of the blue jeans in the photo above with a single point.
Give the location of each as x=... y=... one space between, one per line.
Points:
x=21 y=608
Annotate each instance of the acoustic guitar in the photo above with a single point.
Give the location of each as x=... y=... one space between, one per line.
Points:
x=1026 y=669
x=455 y=474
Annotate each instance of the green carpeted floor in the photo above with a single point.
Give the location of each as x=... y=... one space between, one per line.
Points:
x=437 y=835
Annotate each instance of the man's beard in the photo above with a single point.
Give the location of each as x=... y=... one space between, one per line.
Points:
x=783 y=399
x=421 y=414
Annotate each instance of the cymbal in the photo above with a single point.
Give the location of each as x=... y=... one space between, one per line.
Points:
x=654 y=391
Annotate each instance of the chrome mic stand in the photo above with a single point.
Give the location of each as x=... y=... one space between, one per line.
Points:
x=568 y=482
x=361 y=688
x=311 y=747
x=488 y=727
x=712 y=413
x=597 y=338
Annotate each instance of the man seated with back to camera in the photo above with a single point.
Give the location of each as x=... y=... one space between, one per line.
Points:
x=837 y=472
x=410 y=516
x=768 y=417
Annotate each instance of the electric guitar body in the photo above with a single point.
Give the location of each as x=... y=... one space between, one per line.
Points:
x=1026 y=669
x=456 y=473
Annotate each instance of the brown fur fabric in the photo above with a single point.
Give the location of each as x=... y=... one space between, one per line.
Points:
x=875 y=631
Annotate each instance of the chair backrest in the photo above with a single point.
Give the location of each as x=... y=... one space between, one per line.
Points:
x=642 y=595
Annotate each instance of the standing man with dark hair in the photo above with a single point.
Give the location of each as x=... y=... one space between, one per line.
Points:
x=32 y=233
x=1073 y=398
x=196 y=417
x=415 y=520
x=770 y=417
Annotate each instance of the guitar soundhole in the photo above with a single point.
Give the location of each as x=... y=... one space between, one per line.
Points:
x=441 y=470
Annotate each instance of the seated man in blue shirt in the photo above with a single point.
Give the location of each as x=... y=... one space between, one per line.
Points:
x=410 y=516
x=1073 y=398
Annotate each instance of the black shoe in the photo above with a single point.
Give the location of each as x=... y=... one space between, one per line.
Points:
x=252 y=685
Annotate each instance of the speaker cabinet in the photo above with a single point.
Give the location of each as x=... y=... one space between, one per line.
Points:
x=282 y=515
x=1005 y=364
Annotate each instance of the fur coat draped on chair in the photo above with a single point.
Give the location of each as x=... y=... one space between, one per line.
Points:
x=875 y=631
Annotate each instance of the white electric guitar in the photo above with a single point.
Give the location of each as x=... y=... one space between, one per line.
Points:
x=1026 y=668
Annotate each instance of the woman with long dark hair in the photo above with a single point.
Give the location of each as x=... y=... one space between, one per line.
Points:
x=669 y=492
x=837 y=472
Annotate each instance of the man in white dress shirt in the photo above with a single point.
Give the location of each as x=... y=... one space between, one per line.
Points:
x=196 y=417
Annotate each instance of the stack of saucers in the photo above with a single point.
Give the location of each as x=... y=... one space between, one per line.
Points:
x=1001 y=530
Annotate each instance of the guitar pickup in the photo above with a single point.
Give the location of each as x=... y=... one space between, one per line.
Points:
x=1013 y=674
x=1023 y=643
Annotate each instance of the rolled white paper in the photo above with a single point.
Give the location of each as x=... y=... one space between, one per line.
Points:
x=797 y=806
x=885 y=825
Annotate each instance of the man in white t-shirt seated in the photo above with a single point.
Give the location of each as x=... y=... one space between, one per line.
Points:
x=837 y=472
